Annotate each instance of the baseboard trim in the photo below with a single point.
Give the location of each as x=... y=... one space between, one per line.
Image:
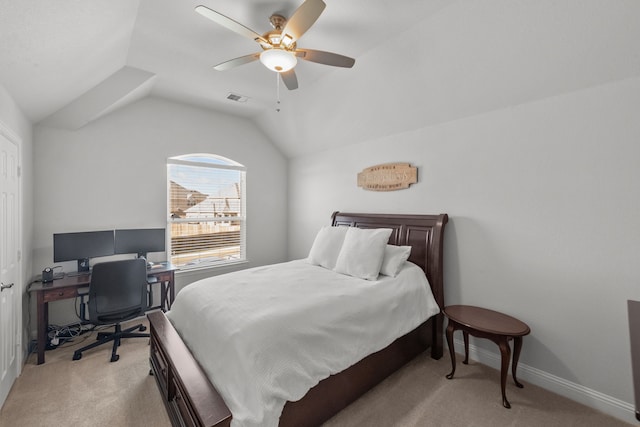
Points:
x=594 y=399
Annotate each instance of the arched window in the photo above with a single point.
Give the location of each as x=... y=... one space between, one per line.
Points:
x=206 y=211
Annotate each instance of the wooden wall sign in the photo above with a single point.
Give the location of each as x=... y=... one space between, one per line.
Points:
x=388 y=177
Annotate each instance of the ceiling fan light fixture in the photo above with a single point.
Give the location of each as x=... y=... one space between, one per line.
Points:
x=278 y=60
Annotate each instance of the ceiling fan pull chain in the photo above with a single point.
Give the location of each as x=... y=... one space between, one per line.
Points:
x=277 y=92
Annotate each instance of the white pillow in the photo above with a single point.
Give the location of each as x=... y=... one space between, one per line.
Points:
x=326 y=246
x=362 y=252
x=394 y=258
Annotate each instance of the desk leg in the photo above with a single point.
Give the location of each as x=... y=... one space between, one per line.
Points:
x=166 y=293
x=167 y=289
x=505 y=352
x=163 y=295
x=517 y=346
x=43 y=320
x=172 y=290
x=452 y=352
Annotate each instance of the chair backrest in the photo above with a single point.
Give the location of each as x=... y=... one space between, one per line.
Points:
x=118 y=291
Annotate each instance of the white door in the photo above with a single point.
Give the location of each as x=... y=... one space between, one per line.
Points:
x=10 y=306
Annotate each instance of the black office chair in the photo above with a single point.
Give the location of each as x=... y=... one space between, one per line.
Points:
x=117 y=293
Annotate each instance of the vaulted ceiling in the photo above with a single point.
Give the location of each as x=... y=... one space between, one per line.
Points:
x=418 y=62
x=55 y=51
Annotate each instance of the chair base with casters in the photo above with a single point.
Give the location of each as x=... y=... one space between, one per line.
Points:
x=105 y=337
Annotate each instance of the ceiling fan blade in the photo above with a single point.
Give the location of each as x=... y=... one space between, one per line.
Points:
x=326 y=58
x=230 y=24
x=290 y=80
x=302 y=19
x=232 y=63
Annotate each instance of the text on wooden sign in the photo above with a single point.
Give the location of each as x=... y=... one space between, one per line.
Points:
x=388 y=177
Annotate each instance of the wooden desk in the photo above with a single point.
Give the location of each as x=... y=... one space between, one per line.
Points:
x=493 y=325
x=68 y=286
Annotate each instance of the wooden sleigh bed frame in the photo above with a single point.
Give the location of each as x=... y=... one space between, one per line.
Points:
x=191 y=399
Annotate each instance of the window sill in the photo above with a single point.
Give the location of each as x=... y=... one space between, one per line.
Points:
x=200 y=270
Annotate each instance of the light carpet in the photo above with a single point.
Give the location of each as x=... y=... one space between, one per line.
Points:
x=94 y=392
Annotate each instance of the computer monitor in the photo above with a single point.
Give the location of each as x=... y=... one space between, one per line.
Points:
x=140 y=241
x=82 y=246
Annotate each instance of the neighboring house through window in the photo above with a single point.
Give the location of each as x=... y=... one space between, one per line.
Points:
x=206 y=217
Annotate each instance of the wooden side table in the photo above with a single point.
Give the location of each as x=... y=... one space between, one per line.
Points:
x=493 y=325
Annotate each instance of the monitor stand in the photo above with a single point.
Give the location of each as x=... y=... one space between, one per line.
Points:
x=83 y=268
x=83 y=265
x=144 y=257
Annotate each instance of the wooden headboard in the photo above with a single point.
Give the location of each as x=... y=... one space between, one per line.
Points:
x=424 y=233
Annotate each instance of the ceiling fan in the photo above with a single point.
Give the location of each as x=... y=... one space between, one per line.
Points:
x=280 y=51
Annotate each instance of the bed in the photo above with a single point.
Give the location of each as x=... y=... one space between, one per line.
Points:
x=191 y=399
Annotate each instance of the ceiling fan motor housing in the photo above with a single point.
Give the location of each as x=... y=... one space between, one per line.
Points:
x=277 y=21
x=275 y=38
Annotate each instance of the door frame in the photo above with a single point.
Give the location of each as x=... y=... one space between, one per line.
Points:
x=18 y=295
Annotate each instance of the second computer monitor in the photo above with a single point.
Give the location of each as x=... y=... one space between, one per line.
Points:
x=140 y=241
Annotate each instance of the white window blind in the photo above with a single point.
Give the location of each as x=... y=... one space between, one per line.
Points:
x=206 y=211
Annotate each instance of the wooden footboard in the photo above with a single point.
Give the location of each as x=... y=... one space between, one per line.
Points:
x=188 y=395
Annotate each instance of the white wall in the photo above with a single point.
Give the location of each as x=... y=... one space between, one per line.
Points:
x=544 y=206
x=112 y=174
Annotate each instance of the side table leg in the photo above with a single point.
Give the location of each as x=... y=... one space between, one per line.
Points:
x=517 y=346
x=465 y=336
x=505 y=352
x=452 y=352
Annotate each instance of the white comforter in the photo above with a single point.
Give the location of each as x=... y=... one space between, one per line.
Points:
x=266 y=335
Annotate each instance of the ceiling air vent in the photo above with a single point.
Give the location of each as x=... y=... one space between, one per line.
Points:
x=237 y=98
